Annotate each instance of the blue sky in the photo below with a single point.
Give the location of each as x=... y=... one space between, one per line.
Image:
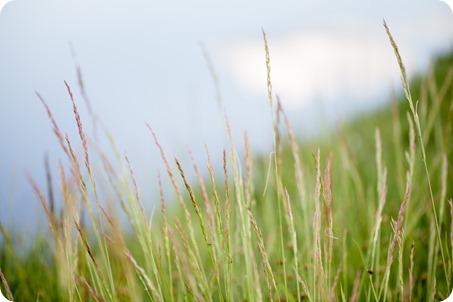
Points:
x=142 y=62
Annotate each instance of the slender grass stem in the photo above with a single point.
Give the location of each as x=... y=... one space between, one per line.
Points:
x=416 y=118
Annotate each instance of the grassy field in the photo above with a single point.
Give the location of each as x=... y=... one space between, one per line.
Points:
x=362 y=213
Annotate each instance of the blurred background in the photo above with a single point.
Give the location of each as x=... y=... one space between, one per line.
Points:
x=176 y=64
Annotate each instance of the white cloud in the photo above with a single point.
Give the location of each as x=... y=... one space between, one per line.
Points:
x=334 y=64
x=306 y=66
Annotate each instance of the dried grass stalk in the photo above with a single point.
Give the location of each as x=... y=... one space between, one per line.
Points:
x=9 y=295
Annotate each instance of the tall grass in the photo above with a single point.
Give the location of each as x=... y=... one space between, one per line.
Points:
x=356 y=215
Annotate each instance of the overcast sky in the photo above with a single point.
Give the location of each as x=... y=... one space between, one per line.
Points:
x=142 y=61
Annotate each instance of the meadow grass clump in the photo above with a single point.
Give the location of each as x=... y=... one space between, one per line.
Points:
x=363 y=213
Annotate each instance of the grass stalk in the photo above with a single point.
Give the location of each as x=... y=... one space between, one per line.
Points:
x=277 y=166
x=422 y=146
x=9 y=295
